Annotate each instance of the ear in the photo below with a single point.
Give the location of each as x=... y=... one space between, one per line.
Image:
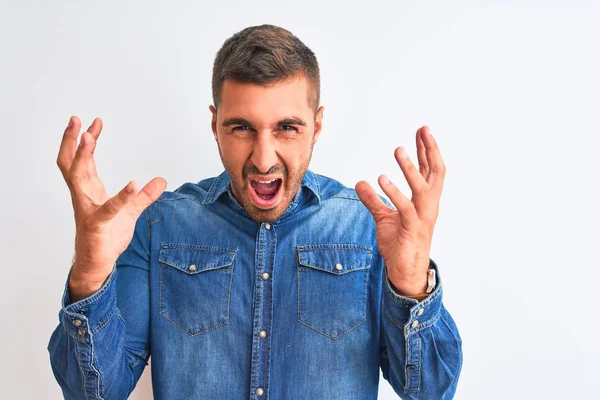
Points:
x=213 y=122
x=318 y=123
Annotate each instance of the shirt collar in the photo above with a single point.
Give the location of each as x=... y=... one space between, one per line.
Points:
x=221 y=185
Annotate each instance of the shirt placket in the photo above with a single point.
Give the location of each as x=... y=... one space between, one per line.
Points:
x=266 y=243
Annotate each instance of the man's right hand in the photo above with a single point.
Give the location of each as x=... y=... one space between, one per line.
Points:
x=104 y=225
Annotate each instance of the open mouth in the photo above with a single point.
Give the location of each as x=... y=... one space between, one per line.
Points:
x=265 y=194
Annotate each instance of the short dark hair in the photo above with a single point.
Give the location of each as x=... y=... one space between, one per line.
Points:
x=262 y=55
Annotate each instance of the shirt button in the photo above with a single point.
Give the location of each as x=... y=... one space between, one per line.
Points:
x=81 y=332
x=265 y=276
x=77 y=322
x=414 y=324
x=193 y=267
x=338 y=266
x=262 y=334
x=259 y=391
x=267 y=226
x=420 y=312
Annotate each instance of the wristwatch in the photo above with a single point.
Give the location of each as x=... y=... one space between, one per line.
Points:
x=430 y=280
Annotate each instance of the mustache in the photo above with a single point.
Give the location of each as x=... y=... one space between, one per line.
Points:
x=275 y=169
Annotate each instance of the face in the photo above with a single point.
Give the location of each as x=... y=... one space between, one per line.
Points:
x=265 y=136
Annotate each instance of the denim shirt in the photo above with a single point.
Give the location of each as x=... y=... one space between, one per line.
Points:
x=230 y=308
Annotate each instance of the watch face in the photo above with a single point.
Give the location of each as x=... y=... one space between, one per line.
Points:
x=430 y=280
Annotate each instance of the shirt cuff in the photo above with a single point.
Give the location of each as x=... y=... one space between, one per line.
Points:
x=90 y=314
x=410 y=314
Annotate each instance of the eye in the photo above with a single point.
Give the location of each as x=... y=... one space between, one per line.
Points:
x=288 y=128
x=241 y=128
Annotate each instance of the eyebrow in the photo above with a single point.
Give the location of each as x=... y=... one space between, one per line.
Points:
x=245 y=122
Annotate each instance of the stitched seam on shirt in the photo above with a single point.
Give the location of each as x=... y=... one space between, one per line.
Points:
x=191 y=198
x=394 y=320
x=424 y=303
x=187 y=246
x=333 y=246
x=140 y=356
x=425 y=324
x=210 y=193
x=158 y=212
x=98 y=376
x=318 y=186
x=148 y=223
x=103 y=322
x=407 y=381
x=344 y=196
x=406 y=352
x=80 y=365
x=419 y=344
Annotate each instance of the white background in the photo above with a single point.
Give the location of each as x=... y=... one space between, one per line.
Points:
x=511 y=92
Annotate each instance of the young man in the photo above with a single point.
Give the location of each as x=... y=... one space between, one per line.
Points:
x=267 y=281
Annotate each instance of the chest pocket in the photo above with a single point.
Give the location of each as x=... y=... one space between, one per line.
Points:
x=195 y=286
x=332 y=287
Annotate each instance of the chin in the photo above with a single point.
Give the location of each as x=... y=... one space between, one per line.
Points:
x=261 y=215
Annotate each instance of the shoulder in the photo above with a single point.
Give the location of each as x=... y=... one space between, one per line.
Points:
x=333 y=190
x=193 y=191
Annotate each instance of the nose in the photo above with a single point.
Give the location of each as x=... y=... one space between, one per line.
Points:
x=264 y=154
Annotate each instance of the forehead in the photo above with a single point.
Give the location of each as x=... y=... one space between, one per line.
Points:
x=286 y=97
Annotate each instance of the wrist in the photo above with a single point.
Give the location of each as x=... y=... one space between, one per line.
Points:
x=410 y=289
x=82 y=285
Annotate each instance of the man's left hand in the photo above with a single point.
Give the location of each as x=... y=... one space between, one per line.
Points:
x=404 y=236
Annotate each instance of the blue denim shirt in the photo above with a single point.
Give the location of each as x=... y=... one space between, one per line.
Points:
x=230 y=308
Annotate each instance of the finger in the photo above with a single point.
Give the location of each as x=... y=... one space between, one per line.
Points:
x=371 y=200
x=91 y=142
x=81 y=166
x=437 y=167
x=94 y=130
x=96 y=127
x=68 y=145
x=415 y=180
x=149 y=194
x=404 y=206
x=112 y=206
x=421 y=155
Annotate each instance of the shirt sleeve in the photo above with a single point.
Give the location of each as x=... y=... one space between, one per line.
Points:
x=421 y=353
x=101 y=345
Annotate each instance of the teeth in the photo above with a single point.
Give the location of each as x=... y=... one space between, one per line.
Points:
x=272 y=180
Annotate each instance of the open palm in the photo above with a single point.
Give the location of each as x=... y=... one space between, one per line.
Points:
x=404 y=235
x=104 y=224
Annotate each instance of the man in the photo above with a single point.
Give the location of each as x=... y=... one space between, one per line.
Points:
x=267 y=281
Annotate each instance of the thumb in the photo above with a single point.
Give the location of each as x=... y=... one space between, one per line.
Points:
x=128 y=197
x=115 y=204
x=149 y=194
x=370 y=199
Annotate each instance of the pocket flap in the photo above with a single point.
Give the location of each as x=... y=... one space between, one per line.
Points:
x=336 y=259
x=193 y=260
